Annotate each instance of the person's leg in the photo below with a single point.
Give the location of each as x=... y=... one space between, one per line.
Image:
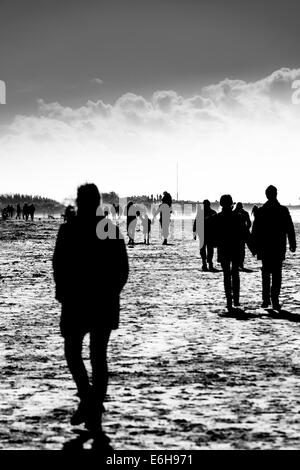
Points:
x=242 y=256
x=227 y=283
x=276 y=284
x=266 y=284
x=165 y=230
x=203 y=257
x=98 y=355
x=73 y=355
x=210 y=255
x=235 y=283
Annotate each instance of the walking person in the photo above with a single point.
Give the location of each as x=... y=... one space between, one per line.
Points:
x=164 y=210
x=230 y=233
x=207 y=248
x=87 y=270
x=146 y=225
x=271 y=228
x=245 y=216
x=19 y=212
x=131 y=222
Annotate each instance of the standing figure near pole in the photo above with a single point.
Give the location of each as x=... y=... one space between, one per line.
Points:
x=164 y=210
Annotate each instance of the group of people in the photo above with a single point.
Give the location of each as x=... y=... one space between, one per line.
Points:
x=133 y=214
x=25 y=213
x=229 y=231
x=82 y=262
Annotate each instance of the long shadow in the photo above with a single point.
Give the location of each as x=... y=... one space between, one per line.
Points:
x=283 y=315
x=100 y=443
x=238 y=314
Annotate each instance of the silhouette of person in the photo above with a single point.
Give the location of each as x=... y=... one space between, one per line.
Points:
x=230 y=232
x=146 y=224
x=70 y=212
x=25 y=211
x=245 y=216
x=164 y=210
x=254 y=211
x=10 y=211
x=88 y=269
x=271 y=228
x=207 y=250
x=19 y=211
x=31 y=211
x=131 y=222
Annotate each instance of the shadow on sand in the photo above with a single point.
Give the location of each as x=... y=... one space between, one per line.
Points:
x=99 y=443
x=238 y=314
x=283 y=315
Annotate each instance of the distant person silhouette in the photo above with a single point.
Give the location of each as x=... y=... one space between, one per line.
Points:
x=164 y=210
x=245 y=216
x=89 y=274
x=207 y=250
x=25 y=211
x=31 y=211
x=230 y=232
x=10 y=210
x=146 y=224
x=271 y=228
x=70 y=212
x=19 y=212
x=254 y=211
x=131 y=222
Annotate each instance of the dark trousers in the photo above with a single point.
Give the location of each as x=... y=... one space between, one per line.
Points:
x=207 y=253
x=242 y=255
x=231 y=281
x=271 y=270
x=98 y=347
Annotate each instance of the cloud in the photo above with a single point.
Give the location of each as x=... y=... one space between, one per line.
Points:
x=99 y=81
x=229 y=104
x=268 y=98
x=240 y=135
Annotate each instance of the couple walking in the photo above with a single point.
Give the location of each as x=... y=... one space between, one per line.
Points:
x=271 y=228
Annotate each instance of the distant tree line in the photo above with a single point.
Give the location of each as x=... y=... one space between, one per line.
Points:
x=42 y=204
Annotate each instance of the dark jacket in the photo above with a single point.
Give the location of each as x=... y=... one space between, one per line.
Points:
x=245 y=216
x=208 y=225
x=230 y=234
x=271 y=227
x=90 y=273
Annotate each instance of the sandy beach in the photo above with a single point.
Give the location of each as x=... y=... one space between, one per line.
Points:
x=183 y=374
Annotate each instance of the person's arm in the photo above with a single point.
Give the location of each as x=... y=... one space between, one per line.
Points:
x=194 y=229
x=254 y=237
x=291 y=232
x=58 y=262
x=248 y=221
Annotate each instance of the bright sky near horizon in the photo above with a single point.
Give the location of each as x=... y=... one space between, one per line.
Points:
x=118 y=91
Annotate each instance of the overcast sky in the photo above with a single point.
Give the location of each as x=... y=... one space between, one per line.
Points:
x=118 y=91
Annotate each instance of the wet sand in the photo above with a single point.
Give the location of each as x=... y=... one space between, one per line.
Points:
x=183 y=374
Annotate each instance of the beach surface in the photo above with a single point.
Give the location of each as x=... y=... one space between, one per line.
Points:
x=183 y=374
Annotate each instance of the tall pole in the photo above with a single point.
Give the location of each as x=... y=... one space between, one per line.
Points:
x=177 y=182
